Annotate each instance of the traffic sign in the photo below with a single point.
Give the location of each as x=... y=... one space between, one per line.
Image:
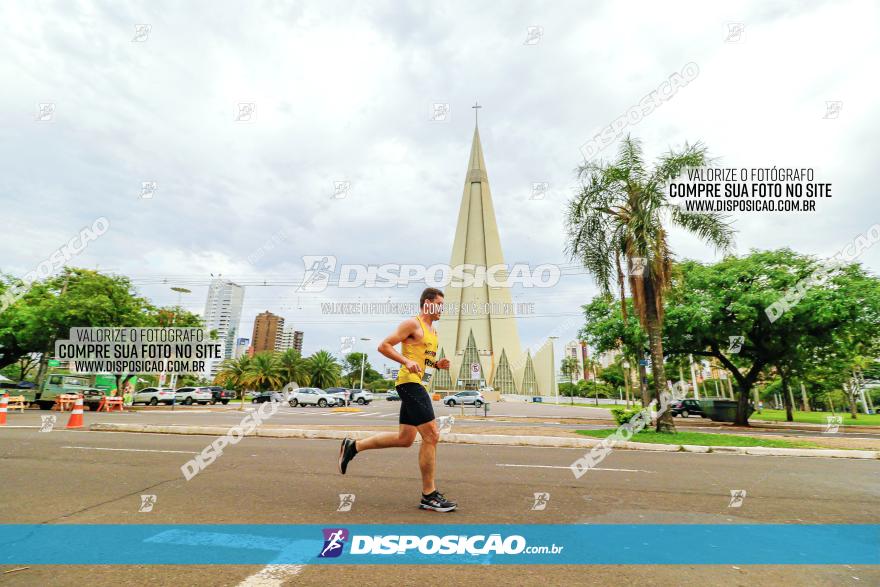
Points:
x=475 y=371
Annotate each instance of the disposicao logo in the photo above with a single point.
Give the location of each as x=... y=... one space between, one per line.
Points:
x=334 y=540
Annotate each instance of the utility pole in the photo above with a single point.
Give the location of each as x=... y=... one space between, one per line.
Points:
x=694 y=377
x=553 y=366
x=363 y=360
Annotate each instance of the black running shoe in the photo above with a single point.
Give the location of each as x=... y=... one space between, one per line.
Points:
x=347 y=451
x=437 y=502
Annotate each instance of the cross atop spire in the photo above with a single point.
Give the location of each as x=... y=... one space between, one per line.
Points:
x=476 y=108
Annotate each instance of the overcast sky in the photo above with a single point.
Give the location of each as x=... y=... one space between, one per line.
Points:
x=344 y=92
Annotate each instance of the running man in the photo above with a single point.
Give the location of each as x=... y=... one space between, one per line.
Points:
x=418 y=348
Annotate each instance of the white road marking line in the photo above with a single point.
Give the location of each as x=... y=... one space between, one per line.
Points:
x=272 y=576
x=6 y=426
x=388 y=415
x=183 y=411
x=569 y=468
x=183 y=452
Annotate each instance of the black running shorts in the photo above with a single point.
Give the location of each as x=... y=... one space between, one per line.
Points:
x=415 y=404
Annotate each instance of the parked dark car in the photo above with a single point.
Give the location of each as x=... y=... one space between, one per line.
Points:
x=92 y=398
x=392 y=396
x=722 y=410
x=687 y=407
x=266 y=396
x=221 y=395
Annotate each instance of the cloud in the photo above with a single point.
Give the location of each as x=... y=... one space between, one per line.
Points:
x=343 y=93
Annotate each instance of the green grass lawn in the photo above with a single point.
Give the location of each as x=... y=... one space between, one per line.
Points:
x=817 y=417
x=703 y=439
x=601 y=405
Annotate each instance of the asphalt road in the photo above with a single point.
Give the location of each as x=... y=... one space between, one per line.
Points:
x=90 y=477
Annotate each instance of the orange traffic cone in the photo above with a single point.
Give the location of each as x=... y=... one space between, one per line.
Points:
x=4 y=401
x=76 y=416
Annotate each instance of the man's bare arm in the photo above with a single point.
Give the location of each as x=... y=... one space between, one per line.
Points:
x=404 y=330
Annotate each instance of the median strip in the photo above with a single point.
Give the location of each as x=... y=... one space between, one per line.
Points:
x=489 y=439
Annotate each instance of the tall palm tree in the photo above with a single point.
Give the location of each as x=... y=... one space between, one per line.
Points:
x=569 y=367
x=263 y=373
x=620 y=216
x=234 y=372
x=293 y=368
x=323 y=370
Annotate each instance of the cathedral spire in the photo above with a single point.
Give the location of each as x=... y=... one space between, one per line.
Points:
x=479 y=312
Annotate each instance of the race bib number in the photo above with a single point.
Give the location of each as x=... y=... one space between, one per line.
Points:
x=426 y=377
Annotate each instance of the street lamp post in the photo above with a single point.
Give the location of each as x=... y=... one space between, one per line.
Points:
x=180 y=291
x=553 y=366
x=363 y=360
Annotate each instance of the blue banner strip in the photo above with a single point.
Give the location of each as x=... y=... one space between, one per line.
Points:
x=577 y=544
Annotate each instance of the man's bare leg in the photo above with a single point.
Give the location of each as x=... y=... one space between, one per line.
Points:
x=403 y=438
x=428 y=455
x=349 y=448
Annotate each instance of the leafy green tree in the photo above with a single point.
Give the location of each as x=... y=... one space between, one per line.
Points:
x=567 y=389
x=613 y=375
x=323 y=370
x=380 y=385
x=622 y=215
x=21 y=369
x=351 y=369
x=51 y=307
x=76 y=298
x=597 y=389
x=569 y=366
x=608 y=327
x=708 y=304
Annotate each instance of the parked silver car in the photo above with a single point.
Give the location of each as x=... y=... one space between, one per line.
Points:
x=153 y=396
x=465 y=398
x=360 y=396
x=312 y=396
x=342 y=395
x=191 y=395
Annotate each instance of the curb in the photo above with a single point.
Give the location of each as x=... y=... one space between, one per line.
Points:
x=495 y=439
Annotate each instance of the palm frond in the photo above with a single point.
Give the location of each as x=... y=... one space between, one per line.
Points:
x=712 y=228
x=671 y=164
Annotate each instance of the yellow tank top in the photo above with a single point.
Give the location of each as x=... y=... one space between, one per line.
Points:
x=423 y=353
